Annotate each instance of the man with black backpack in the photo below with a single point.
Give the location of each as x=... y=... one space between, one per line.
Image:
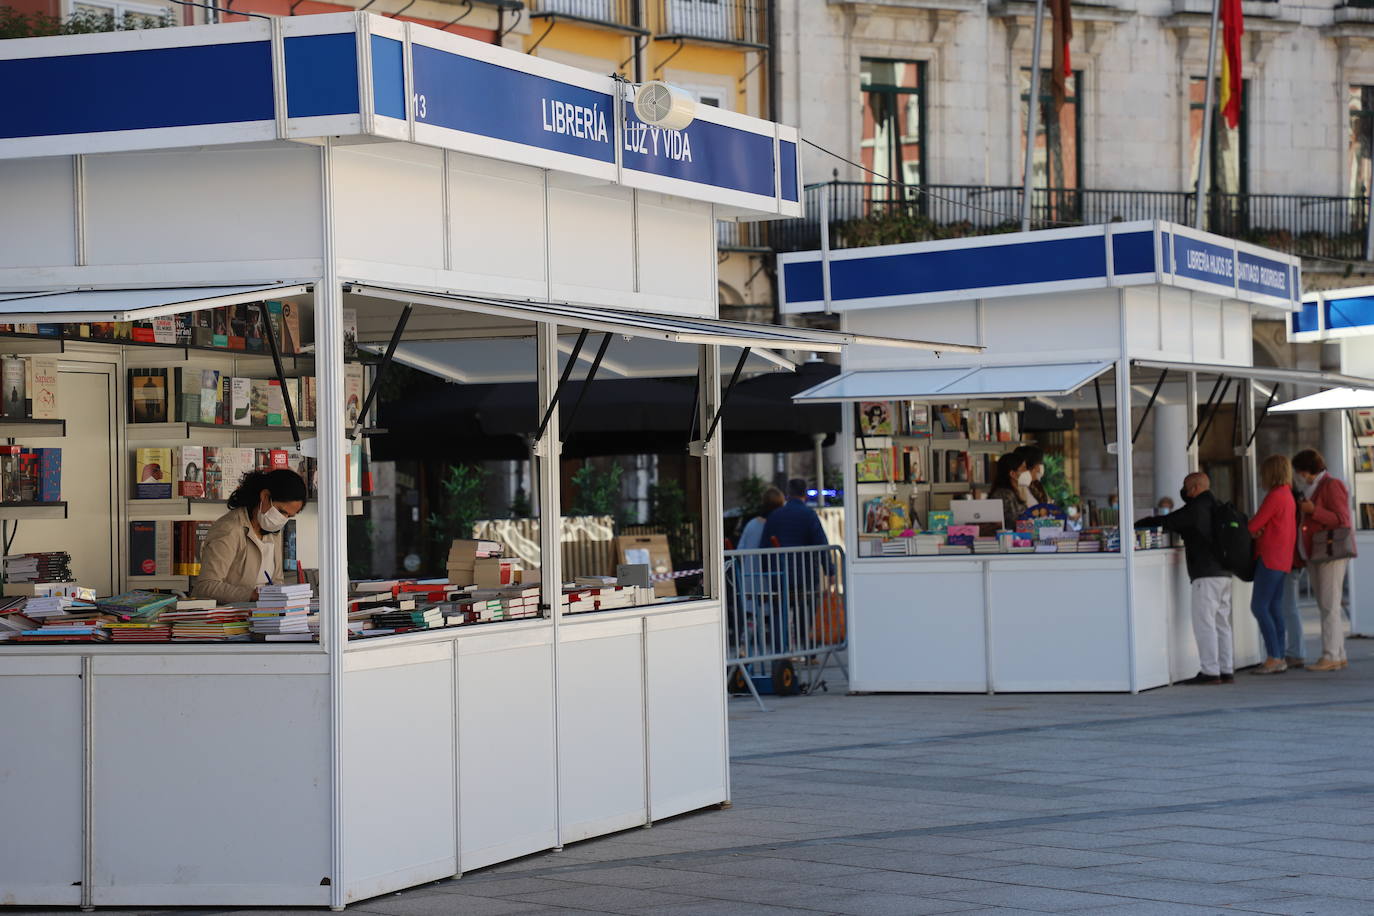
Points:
x=1195 y=522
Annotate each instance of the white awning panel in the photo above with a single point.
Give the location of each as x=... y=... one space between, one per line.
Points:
x=681 y=329
x=513 y=359
x=74 y=306
x=984 y=382
x=1331 y=399
x=1264 y=373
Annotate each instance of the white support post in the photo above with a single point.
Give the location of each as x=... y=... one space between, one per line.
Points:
x=332 y=507
x=713 y=521
x=548 y=453
x=1208 y=108
x=819 y=440
x=1032 y=115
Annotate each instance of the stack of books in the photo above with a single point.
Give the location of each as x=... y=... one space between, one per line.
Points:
x=475 y=562
x=927 y=544
x=986 y=545
x=41 y=607
x=404 y=621
x=953 y=549
x=62 y=630
x=282 y=613
x=47 y=566
x=197 y=622
x=137 y=606
x=136 y=631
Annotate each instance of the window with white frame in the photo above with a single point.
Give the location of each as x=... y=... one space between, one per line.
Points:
x=124 y=15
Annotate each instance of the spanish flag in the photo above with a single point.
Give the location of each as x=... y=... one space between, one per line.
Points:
x=1062 y=61
x=1232 y=27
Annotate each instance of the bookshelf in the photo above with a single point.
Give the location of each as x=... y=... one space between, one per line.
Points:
x=29 y=428
x=33 y=510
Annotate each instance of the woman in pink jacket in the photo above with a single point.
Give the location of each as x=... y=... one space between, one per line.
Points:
x=1275 y=529
x=1326 y=506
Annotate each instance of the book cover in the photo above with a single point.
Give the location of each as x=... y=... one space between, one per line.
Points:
x=148 y=395
x=278 y=459
x=241 y=394
x=12 y=372
x=274 y=323
x=202 y=329
x=350 y=332
x=875 y=418
x=209 y=395
x=238 y=326
x=183 y=324
x=143 y=332
x=872 y=465
x=292 y=341
x=153 y=473
x=164 y=330
x=254 y=337
x=307 y=401
x=49 y=474
x=917 y=420
x=939 y=519
x=143 y=548
x=224 y=415
x=276 y=410
x=219 y=326
x=1364 y=459
x=212 y=477
x=258 y=402
x=353 y=393
x=28 y=476
x=184 y=395
x=43 y=395
x=191 y=464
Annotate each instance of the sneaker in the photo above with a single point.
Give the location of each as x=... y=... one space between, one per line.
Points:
x=1201 y=678
x=1294 y=662
x=1228 y=677
x=1270 y=666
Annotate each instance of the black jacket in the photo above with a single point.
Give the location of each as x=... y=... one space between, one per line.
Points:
x=1194 y=523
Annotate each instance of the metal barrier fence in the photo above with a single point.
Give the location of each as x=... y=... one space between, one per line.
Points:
x=784 y=604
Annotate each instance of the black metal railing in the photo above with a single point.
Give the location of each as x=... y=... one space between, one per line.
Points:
x=611 y=12
x=863 y=214
x=734 y=21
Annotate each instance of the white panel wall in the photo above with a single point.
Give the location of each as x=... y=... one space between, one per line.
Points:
x=400 y=814
x=1206 y=325
x=236 y=810
x=1237 y=343
x=685 y=697
x=497 y=234
x=389 y=203
x=38 y=213
x=677 y=247
x=601 y=752
x=40 y=781
x=591 y=239
x=956 y=322
x=1175 y=321
x=203 y=206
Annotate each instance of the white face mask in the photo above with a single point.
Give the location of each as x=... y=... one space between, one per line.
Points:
x=1039 y=471
x=1024 y=478
x=273 y=519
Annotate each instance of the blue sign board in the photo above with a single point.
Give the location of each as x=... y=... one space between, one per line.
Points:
x=463 y=93
x=321 y=75
x=1264 y=275
x=137 y=89
x=1206 y=262
x=388 y=77
x=703 y=152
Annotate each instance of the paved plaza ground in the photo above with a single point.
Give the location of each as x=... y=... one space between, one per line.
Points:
x=1250 y=798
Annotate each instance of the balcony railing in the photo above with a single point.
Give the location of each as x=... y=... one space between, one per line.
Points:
x=730 y=21
x=878 y=214
x=621 y=13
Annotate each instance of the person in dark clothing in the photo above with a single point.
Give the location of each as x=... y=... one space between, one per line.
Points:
x=795 y=524
x=1211 y=581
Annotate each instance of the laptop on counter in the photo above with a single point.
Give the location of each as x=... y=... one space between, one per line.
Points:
x=976 y=511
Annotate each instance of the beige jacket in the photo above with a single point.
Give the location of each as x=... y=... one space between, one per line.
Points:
x=230 y=563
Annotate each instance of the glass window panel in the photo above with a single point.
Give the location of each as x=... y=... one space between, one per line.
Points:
x=892 y=119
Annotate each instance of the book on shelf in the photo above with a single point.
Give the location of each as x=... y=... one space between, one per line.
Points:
x=1367 y=515
x=874 y=465
x=202 y=330
x=914 y=419
x=276 y=410
x=165 y=331
x=291 y=340
x=49 y=474
x=1364 y=423
x=219 y=327
x=258 y=402
x=353 y=392
x=190 y=467
x=240 y=410
x=875 y=418
x=148 y=396
x=238 y=325
x=12 y=373
x=209 y=395
x=153 y=473
x=350 y=333
x=43 y=388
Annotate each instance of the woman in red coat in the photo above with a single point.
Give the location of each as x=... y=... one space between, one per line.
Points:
x=1275 y=529
x=1327 y=506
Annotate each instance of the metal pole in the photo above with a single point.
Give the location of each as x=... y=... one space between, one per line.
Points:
x=1204 y=156
x=819 y=440
x=1369 y=205
x=1032 y=116
x=825 y=246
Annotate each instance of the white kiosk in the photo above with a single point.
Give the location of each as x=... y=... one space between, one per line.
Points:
x=1111 y=322
x=429 y=183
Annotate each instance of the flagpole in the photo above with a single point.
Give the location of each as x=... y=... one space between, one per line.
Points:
x=1032 y=116
x=1204 y=163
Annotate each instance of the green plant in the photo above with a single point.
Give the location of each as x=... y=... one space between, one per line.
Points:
x=668 y=512
x=750 y=500
x=17 y=24
x=1056 y=484
x=460 y=503
x=598 y=492
x=520 y=506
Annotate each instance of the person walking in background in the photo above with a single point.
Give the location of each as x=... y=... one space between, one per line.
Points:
x=794 y=523
x=1275 y=529
x=1211 y=581
x=1325 y=507
x=751 y=538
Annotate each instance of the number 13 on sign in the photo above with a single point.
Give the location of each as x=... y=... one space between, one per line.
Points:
x=419 y=102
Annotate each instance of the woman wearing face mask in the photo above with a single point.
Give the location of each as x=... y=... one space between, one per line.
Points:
x=1325 y=505
x=242 y=552
x=1034 y=458
x=1007 y=486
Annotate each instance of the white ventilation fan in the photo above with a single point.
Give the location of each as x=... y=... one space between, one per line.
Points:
x=660 y=105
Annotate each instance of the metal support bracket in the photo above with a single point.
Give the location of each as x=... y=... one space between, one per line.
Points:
x=1101 y=417
x=281 y=372
x=558 y=392
x=381 y=369
x=1273 y=393
x=586 y=384
x=1207 y=408
x=725 y=396
x=1164 y=373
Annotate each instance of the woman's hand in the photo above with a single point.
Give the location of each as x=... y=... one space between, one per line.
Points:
x=1306 y=507
x=255 y=594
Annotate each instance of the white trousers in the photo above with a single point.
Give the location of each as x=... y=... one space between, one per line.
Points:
x=1212 y=624
x=1327 y=579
